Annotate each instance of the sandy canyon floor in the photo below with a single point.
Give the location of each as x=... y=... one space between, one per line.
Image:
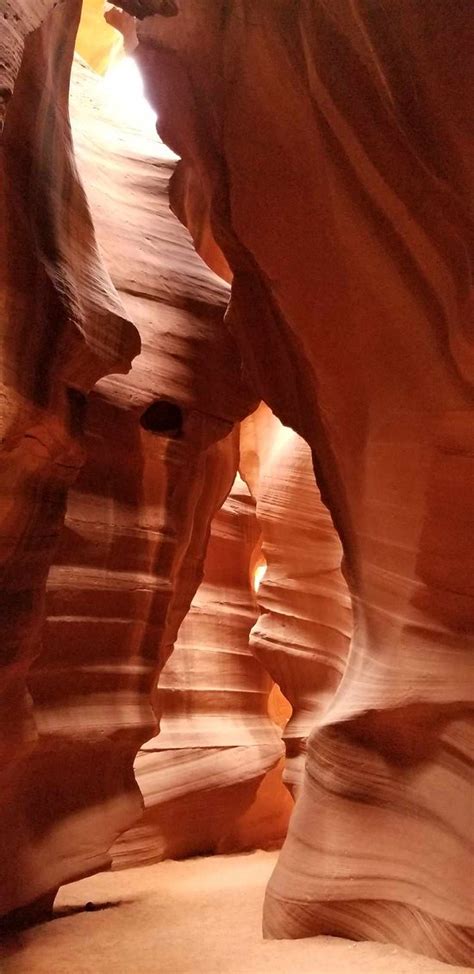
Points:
x=202 y=915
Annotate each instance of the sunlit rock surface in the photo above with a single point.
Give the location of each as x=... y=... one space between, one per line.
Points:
x=332 y=148
x=211 y=779
x=303 y=631
x=327 y=170
x=97 y=41
x=131 y=554
x=63 y=327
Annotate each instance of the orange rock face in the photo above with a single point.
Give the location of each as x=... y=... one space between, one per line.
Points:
x=327 y=171
x=63 y=327
x=130 y=557
x=302 y=634
x=334 y=148
x=207 y=778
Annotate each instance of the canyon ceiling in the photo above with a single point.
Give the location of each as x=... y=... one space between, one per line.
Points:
x=254 y=353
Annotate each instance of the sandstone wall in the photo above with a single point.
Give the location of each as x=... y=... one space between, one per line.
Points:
x=327 y=169
x=304 y=627
x=211 y=779
x=334 y=149
x=130 y=557
x=63 y=327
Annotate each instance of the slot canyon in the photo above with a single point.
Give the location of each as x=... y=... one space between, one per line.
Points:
x=236 y=486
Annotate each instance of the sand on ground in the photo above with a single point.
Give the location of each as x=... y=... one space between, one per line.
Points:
x=200 y=916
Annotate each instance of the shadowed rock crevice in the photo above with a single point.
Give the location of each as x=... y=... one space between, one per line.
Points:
x=162 y=417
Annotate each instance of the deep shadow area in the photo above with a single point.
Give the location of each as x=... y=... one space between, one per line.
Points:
x=163 y=418
x=20 y=920
x=14 y=930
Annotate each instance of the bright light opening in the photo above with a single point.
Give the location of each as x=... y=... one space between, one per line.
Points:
x=124 y=89
x=124 y=85
x=259 y=572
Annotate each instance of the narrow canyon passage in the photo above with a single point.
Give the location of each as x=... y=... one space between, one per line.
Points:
x=236 y=486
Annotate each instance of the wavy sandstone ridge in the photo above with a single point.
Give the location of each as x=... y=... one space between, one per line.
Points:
x=137 y=520
x=343 y=205
x=303 y=631
x=63 y=327
x=207 y=778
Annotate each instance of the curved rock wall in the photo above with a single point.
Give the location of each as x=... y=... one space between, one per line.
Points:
x=207 y=778
x=327 y=167
x=333 y=146
x=63 y=327
x=138 y=518
x=303 y=631
x=137 y=521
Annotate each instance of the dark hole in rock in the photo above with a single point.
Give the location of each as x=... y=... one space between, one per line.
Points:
x=164 y=418
x=78 y=408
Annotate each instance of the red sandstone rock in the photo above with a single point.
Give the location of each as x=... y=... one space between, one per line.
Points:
x=137 y=521
x=204 y=778
x=63 y=327
x=334 y=147
x=302 y=634
x=328 y=157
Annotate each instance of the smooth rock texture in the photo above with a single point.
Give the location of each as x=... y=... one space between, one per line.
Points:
x=304 y=628
x=327 y=170
x=137 y=521
x=63 y=327
x=211 y=779
x=332 y=147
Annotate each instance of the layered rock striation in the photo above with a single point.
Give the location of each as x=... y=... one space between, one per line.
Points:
x=327 y=168
x=211 y=779
x=158 y=451
x=331 y=149
x=303 y=631
x=63 y=327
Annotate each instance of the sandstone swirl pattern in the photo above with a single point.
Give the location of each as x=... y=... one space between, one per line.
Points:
x=333 y=145
x=211 y=779
x=63 y=327
x=130 y=557
x=327 y=169
x=303 y=631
